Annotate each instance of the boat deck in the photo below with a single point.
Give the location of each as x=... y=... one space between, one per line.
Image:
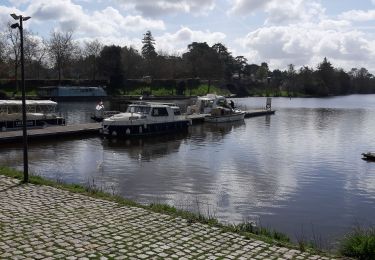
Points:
x=51 y=131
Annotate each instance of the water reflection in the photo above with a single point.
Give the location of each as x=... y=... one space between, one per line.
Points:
x=146 y=148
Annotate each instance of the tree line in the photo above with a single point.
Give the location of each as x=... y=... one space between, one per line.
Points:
x=61 y=57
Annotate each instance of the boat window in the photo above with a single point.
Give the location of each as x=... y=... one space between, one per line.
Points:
x=221 y=102
x=207 y=103
x=159 y=111
x=176 y=111
x=138 y=109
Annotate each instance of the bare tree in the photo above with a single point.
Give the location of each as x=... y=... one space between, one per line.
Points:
x=92 y=51
x=61 y=48
x=14 y=50
x=35 y=52
x=2 y=47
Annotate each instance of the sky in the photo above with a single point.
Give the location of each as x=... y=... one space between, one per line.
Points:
x=279 y=32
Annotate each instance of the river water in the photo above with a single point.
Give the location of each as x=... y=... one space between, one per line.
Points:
x=299 y=171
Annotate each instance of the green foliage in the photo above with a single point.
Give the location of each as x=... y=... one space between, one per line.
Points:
x=200 y=90
x=252 y=228
x=202 y=61
x=204 y=89
x=189 y=216
x=360 y=244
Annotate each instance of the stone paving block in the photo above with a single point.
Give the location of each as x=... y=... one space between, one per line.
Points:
x=63 y=225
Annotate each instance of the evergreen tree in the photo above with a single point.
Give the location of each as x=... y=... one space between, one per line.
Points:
x=149 y=54
x=148 y=48
x=326 y=75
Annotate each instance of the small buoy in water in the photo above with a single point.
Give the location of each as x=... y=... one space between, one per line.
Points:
x=127 y=131
x=114 y=133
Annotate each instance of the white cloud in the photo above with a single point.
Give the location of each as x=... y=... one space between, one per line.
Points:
x=163 y=7
x=244 y=7
x=178 y=41
x=280 y=12
x=5 y=15
x=18 y=2
x=329 y=24
x=358 y=15
x=307 y=44
x=107 y=22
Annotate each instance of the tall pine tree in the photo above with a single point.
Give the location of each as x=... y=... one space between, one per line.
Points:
x=149 y=53
x=148 y=48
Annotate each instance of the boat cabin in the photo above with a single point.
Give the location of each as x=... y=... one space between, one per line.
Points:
x=205 y=104
x=38 y=113
x=142 y=118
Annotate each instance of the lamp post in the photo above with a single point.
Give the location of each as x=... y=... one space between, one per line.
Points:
x=24 y=120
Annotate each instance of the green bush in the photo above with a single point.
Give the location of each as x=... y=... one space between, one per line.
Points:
x=360 y=244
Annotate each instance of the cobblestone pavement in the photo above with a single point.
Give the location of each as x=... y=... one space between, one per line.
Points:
x=42 y=222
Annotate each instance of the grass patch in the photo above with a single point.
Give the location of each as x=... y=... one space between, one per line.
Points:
x=251 y=227
x=248 y=229
x=200 y=90
x=360 y=243
x=203 y=89
x=189 y=216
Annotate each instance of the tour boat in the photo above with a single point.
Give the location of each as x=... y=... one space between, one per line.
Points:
x=71 y=92
x=39 y=113
x=145 y=118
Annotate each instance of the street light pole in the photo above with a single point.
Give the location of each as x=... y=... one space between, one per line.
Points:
x=24 y=119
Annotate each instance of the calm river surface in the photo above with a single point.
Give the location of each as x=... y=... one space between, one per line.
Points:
x=299 y=171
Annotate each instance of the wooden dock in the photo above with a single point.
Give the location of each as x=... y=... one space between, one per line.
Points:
x=51 y=132
x=199 y=118
x=261 y=112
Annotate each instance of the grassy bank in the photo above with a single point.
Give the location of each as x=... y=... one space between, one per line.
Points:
x=360 y=244
x=247 y=229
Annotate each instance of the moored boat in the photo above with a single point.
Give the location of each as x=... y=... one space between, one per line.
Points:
x=222 y=115
x=205 y=104
x=146 y=118
x=39 y=113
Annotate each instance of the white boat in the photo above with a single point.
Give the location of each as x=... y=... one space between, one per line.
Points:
x=205 y=104
x=146 y=118
x=216 y=109
x=222 y=115
x=39 y=113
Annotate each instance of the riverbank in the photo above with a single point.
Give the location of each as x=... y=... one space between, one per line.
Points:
x=69 y=221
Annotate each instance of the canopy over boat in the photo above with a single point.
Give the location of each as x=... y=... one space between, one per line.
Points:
x=28 y=102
